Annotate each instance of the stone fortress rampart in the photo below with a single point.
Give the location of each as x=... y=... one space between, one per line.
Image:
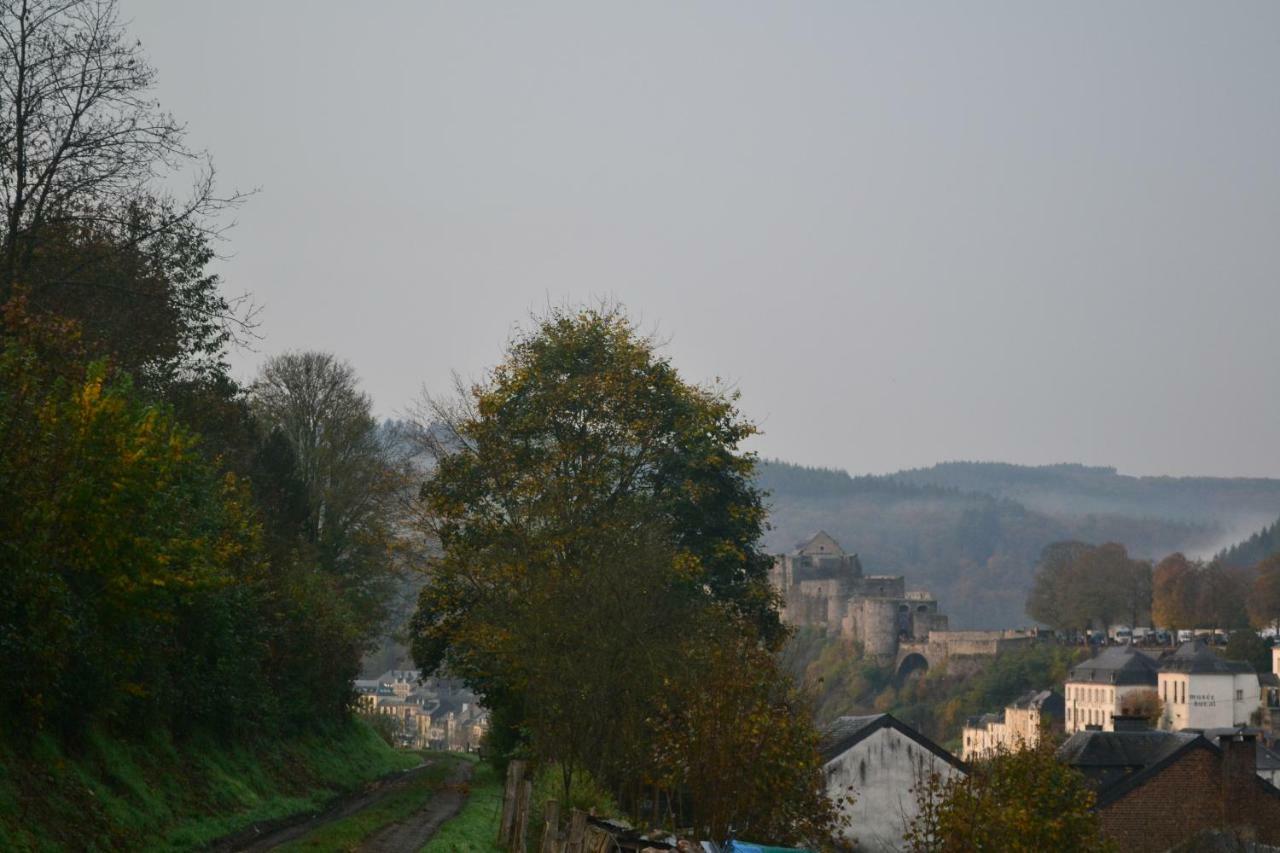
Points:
x=822 y=585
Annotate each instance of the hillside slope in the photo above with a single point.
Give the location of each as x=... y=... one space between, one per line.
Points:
x=109 y=793
x=957 y=530
x=1253 y=550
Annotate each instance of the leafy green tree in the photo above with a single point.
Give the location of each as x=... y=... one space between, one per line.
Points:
x=734 y=734
x=592 y=510
x=1246 y=645
x=1022 y=800
x=1221 y=593
x=1264 y=596
x=1174 y=592
x=1089 y=586
x=127 y=558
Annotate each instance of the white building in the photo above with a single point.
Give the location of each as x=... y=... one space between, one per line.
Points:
x=880 y=761
x=1017 y=727
x=1201 y=690
x=1097 y=689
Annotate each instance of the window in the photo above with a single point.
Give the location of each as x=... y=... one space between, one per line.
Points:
x=1239 y=695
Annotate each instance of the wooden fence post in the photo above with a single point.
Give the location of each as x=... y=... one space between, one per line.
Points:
x=515 y=773
x=550 y=827
x=519 y=842
x=577 y=831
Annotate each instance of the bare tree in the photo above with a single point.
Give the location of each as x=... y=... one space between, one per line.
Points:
x=352 y=487
x=82 y=142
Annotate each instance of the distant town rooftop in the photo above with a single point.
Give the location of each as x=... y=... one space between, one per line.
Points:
x=1195 y=657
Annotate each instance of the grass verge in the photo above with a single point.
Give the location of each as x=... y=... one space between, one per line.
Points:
x=475 y=828
x=112 y=794
x=346 y=834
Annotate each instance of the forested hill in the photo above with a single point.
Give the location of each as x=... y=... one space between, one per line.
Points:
x=971 y=533
x=1241 y=505
x=1253 y=550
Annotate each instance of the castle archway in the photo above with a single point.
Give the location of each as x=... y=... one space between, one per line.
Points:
x=912 y=664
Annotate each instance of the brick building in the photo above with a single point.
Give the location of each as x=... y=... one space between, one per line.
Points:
x=1159 y=789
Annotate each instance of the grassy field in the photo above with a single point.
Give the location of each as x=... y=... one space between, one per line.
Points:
x=475 y=829
x=156 y=795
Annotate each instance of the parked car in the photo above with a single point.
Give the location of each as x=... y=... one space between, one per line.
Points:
x=1162 y=638
x=1143 y=635
x=1186 y=635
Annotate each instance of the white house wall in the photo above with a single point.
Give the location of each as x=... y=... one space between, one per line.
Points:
x=881 y=770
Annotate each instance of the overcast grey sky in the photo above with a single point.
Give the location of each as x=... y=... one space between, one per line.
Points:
x=909 y=232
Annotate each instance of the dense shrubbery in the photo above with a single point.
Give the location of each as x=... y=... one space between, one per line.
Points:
x=143 y=584
x=844 y=682
x=1024 y=801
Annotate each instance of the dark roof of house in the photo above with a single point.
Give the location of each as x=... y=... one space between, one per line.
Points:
x=1116 y=762
x=1269 y=679
x=846 y=732
x=1117 y=665
x=1046 y=701
x=1195 y=657
x=983 y=720
x=1267 y=760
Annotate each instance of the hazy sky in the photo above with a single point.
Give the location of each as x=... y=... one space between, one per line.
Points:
x=908 y=232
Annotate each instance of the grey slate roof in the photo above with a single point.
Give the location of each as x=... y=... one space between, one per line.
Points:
x=1117 y=665
x=1046 y=701
x=1110 y=760
x=1195 y=657
x=1117 y=762
x=845 y=732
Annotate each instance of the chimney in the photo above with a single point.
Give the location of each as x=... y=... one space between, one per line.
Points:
x=1130 y=723
x=1239 y=775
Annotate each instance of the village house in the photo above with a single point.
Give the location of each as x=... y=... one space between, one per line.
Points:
x=431 y=713
x=1159 y=789
x=1098 y=689
x=879 y=760
x=1201 y=690
x=1018 y=726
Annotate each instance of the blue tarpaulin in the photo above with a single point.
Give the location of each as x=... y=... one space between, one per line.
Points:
x=748 y=847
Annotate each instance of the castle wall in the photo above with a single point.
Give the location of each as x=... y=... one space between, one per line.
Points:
x=877 y=622
x=821 y=585
x=880 y=586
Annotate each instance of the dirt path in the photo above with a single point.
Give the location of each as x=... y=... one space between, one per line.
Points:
x=262 y=837
x=410 y=834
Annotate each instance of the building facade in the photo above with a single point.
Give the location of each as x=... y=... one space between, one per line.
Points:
x=879 y=762
x=1019 y=726
x=1200 y=690
x=1103 y=686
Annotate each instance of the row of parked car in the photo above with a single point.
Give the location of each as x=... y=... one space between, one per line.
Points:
x=1124 y=635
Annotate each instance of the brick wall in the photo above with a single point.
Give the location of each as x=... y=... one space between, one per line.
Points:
x=1187 y=797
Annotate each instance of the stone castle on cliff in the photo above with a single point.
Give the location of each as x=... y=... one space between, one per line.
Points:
x=821 y=585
